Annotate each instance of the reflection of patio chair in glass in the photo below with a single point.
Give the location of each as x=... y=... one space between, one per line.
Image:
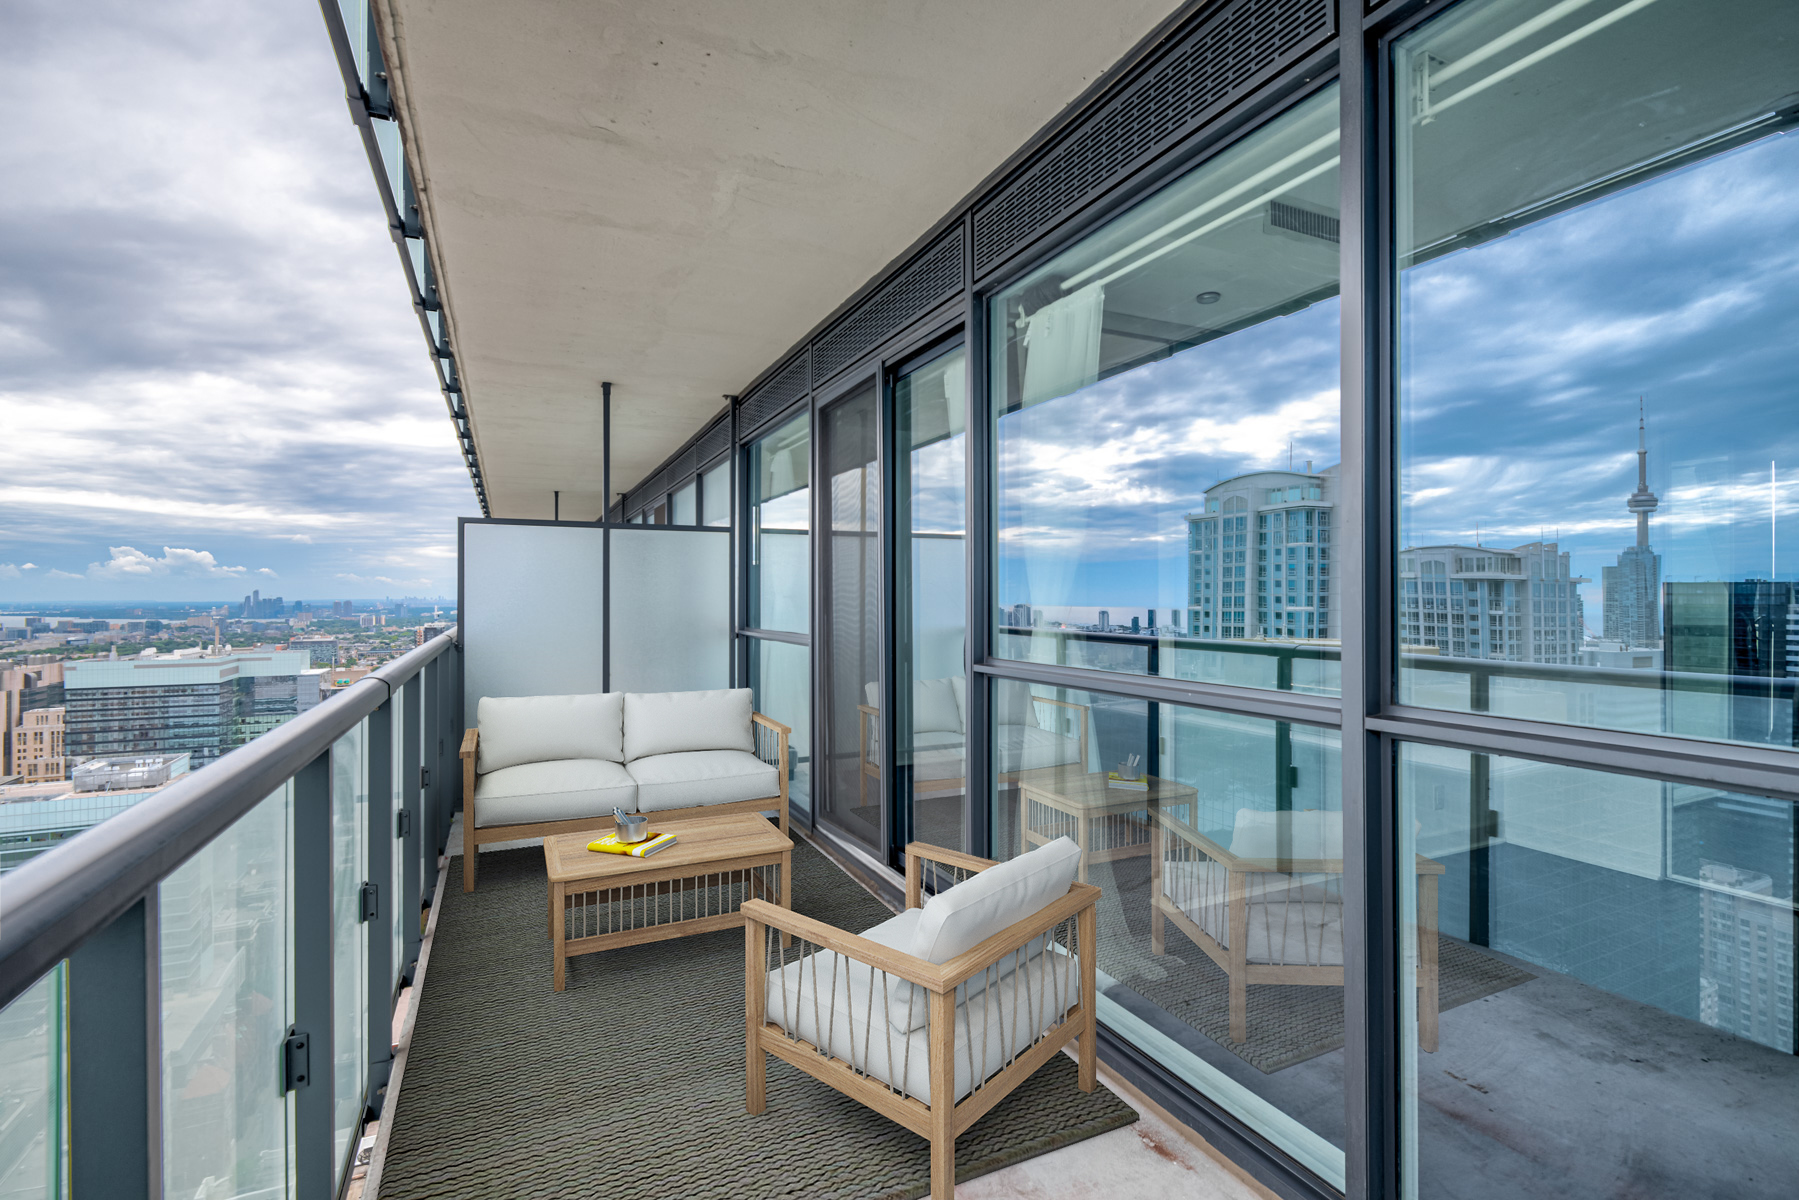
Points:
x=1270 y=908
x=1021 y=741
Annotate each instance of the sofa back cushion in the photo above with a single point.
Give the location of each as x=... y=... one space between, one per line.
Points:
x=528 y=729
x=677 y=722
x=934 y=707
x=1013 y=705
x=1310 y=835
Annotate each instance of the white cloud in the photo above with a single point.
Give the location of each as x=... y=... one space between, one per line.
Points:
x=57 y=574
x=266 y=571
x=10 y=570
x=128 y=562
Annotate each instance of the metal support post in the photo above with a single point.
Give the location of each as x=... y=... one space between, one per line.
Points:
x=310 y=1067
x=380 y=910
x=411 y=900
x=115 y=1053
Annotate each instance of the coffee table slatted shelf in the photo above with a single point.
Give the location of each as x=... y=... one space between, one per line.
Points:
x=608 y=901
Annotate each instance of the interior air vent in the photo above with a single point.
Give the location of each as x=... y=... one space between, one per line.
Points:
x=1295 y=219
x=768 y=401
x=1216 y=63
x=932 y=277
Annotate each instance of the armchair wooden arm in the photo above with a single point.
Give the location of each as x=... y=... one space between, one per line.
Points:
x=919 y=853
x=783 y=736
x=471 y=743
x=944 y=1117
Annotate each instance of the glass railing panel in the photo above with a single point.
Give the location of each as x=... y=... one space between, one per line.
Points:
x=349 y=935
x=226 y=943
x=392 y=898
x=33 y=1074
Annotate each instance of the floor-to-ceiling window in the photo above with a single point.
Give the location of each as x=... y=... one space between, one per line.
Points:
x=851 y=786
x=1165 y=429
x=1598 y=363
x=930 y=546
x=777 y=577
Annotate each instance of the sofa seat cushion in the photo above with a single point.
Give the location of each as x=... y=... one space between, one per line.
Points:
x=699 y=777
x=531 y=729
x=658 y=723
x=567 y=790
x=933 y=766
x=1027 y=747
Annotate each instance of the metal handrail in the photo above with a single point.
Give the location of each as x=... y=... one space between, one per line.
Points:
x=1484 y=669
x=51 y=904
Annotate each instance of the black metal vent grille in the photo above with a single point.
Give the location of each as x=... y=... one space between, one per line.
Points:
x=1215 y=64
x=1295 y=219
x=715 y=441
x=766 y=402
x=933 y=276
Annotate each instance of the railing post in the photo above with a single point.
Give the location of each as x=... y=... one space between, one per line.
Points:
x=1480 y=821
x=381 y=906
x=115 y=1060
x=411 y=900
x=315 y=1165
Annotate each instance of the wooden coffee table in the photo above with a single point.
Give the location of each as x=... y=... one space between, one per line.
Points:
x=604 y=901
x=1106 y=823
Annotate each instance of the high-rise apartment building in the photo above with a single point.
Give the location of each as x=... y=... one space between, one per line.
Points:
x=1521 y=604
x=23 y=689
x=37 y=746
x=1729 y=627
x=199 y=706
x=1633 y=587
x=1258 y=557
x=1746 y=956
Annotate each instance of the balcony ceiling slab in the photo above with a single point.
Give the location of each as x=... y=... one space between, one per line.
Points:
x=670 y=195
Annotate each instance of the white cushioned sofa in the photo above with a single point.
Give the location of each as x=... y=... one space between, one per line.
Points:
x=534 y=766
x=1029 y=731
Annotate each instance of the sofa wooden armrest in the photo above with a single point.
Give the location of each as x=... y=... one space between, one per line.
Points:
x=1073 y=920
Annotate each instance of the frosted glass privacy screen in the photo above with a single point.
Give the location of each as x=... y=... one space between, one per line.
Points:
x=671 y=610
x=531 y=610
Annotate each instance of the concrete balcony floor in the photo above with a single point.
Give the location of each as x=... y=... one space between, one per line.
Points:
x=1153 y=1159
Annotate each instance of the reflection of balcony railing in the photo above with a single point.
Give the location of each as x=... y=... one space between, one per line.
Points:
x=250 y=922
x=1160 y=655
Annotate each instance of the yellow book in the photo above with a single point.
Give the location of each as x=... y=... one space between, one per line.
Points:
x=609 y=844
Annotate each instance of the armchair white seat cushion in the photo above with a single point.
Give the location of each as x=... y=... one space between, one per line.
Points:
x=563 y=790
x=677 y=722
x=825 y=999
x=538 y=729
x=691 y=778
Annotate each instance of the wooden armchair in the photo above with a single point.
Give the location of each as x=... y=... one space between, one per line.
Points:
x=1270 y=908
x=942 y=768
x=932 y=1046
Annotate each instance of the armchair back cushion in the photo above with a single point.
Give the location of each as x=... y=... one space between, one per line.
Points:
x=966 y=915
x=1013 y=704
x=532 y=729
x=678 y=722
x=1284 y=835
x=934 y=707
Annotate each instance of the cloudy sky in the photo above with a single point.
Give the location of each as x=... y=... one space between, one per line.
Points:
x=211 y=377
x=1523 y=362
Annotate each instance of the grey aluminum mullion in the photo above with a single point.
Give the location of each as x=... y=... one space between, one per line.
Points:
x=1370 y=994
x=1325 y=712
x=896 y=814
x=1759 y=770
x=411 y=900
x=315 y=1165
x=380 y=978
x=977 y=521
x=115 y=1059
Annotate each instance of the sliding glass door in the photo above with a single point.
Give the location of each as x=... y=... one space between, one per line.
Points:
x=851 y=792
x=930 y=762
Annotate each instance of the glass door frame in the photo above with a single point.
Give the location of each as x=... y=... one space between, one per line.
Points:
x=846 y=389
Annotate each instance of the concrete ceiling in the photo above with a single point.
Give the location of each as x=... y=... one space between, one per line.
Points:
x=669 y=195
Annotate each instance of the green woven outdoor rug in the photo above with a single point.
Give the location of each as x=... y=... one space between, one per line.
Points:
x=512 y=1090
